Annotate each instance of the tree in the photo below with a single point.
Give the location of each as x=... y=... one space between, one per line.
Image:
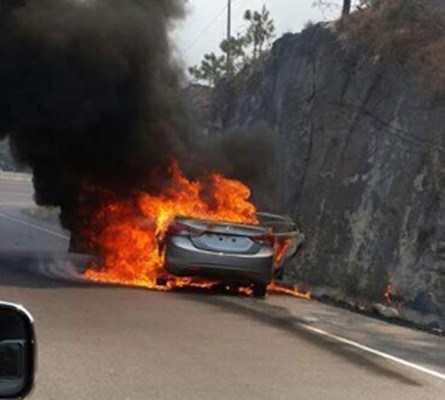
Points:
x=212 y=69
x=234 y=48
x=261 y=30
x=259 y=33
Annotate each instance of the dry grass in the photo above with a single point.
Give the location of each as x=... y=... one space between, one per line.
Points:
x=403 y=32
x=431 y=65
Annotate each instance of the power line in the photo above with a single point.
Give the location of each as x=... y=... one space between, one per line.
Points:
x=207 y=27
x=195 y=40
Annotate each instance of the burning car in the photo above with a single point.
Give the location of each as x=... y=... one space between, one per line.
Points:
x=239 y=254
x=193 y=233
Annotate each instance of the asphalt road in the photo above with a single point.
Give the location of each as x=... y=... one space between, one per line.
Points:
x=127 y=344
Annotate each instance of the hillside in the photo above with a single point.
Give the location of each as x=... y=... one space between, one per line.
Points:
x=361 y=164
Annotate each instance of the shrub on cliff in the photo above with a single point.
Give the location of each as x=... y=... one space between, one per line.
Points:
x=240 y=51
x=402 y=32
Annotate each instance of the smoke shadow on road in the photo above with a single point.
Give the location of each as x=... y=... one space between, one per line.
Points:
x=282 y=319
x=45 y=270
x=59 y=271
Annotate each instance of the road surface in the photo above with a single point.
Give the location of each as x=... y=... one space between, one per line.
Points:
x=110 y=343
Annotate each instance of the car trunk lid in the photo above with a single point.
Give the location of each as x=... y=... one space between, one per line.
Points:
x=224 y=237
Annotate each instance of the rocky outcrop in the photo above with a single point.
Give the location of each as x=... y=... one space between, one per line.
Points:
x=361 y=165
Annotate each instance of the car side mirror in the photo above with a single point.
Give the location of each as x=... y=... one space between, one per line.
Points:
x=17 y=352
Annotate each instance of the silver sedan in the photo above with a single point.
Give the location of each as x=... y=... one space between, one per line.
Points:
x=230 y=253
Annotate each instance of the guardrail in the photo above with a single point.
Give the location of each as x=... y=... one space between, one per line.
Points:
x=16 y=176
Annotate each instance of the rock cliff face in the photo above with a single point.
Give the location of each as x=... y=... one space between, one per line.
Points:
x=361 y=166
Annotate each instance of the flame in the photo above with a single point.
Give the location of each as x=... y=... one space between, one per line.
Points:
x=389 y=293
x=295 y=292
x=133 y=230
x=281 y=246
x=130 y=242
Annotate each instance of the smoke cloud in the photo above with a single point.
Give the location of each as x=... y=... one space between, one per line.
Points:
x=89 y=93
x=90 y=97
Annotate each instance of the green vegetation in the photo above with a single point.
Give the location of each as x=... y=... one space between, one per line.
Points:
x=238 y=51
x=260 y=32
x=212 y=69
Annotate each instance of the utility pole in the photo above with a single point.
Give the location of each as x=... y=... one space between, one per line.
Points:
x=229 y=19
x=346 y=8
x=229 y=33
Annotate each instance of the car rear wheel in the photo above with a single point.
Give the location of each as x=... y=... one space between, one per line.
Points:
x=259 y=290
x=161 y=282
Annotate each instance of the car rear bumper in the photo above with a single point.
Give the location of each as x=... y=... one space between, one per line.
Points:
x=184 y=259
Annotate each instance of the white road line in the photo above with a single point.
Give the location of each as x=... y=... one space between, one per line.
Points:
x=15 y=203
x=309 y=328
x=22 y=194
x=379 y=353
x=49 y=231
x=15 y=176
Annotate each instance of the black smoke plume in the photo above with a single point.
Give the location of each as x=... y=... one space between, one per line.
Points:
x=90 y=98
x=89 y=93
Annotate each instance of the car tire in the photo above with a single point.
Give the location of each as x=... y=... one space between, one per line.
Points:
x=259 y=290
x=161 y=282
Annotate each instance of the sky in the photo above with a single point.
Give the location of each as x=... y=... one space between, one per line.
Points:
x=205 y=25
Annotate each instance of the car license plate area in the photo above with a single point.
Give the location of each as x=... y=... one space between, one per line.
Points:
x=223 y=243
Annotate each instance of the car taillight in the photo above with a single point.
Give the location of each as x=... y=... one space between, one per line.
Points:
x=264 y=240
x=176 y=228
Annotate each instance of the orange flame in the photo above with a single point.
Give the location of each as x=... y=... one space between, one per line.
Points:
x=130 y=242
x=274 y=288
x=281 y=247
x=389 y=293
